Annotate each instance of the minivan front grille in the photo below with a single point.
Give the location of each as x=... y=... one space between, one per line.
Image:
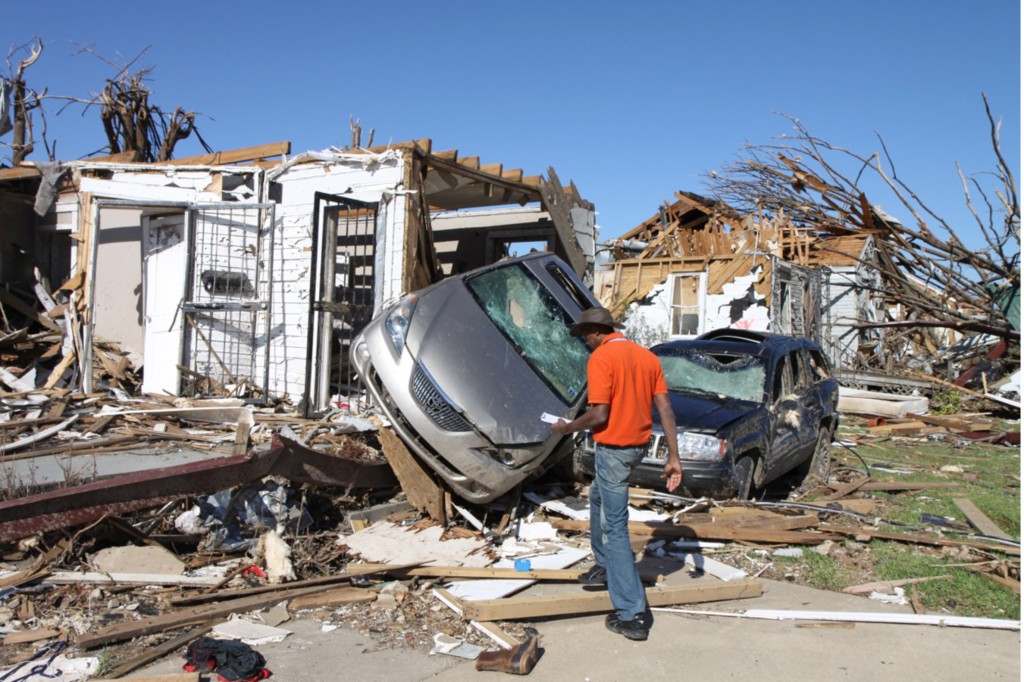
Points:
x=434 y=403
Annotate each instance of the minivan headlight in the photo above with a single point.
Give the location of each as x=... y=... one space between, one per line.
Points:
x=398 y=320
x=700 y=446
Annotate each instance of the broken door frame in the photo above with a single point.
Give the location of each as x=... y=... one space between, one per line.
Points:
x=323 y=305
x=93 y=235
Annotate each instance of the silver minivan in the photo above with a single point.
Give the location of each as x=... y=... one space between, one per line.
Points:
x=465 y=368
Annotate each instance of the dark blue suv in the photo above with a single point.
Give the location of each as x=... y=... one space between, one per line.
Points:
x=749 y=407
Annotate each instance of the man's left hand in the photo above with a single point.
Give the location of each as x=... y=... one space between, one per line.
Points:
x=673 y=475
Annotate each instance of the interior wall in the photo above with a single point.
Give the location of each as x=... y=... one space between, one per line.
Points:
x=118 y=307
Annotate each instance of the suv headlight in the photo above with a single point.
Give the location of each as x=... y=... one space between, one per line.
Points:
x=398 y=320
x=700 y=446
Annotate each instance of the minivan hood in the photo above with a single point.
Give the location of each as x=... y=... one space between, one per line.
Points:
x=705 y=415
x=496 y=390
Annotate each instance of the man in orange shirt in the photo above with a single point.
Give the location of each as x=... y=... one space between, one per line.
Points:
x=623 y=379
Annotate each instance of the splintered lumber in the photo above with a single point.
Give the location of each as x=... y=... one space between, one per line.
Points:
x=514 y=608
x=190 y=616
x=977 y=518
x=417 y=482
x=896 y=486
x=706 y=531
x=29 y=636
x=110 y=578
x=773 y=521
x=154 y=652
x=173 y=677
x=337 y=596
x=923 y=539
x=38 y=435
x=1008 y=583
x=887 y=585
x=464 y=572
x=845 y=490
x=322 y=583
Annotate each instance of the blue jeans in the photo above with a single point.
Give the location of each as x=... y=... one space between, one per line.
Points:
x=609 y=527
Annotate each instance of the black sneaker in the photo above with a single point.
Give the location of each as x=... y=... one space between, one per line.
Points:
x=595 y=576
x=630 y=629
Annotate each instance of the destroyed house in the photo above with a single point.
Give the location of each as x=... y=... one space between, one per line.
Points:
x=699 y=265
x=246 y=273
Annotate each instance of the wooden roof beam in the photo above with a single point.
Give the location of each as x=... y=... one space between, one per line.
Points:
x=234 y=155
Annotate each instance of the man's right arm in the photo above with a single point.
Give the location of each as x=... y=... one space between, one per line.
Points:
x=596 y=415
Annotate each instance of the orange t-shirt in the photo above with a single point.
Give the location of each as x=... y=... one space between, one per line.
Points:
x=626 y=377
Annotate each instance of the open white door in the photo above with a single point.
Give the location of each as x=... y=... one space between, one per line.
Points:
x=165 y=270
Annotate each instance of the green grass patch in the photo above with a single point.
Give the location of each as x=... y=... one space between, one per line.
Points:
x=823 y=572
x=987 y=475
x=965 y=593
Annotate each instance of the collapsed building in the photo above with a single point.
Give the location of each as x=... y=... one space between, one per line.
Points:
x=699 y=264
x=246 y=273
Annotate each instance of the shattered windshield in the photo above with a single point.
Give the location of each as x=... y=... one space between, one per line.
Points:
x=738 y=377
x=536 y=325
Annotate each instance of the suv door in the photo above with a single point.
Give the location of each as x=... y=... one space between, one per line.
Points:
x=787 y=442
x=811 y=408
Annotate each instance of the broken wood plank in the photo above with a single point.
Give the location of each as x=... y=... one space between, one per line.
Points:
x=845 y=490
x=106 y=578
x=190 y=616
x=1009 y=583
x=463 y=572
x=416 y=480
x=887 y=585
x=337 y=596
x=706 y=531
x=895 y=486
x=977 y=518
x=234 y=155
x=154 y=652
x=515 y=608
x=37 y=436
x=351 y=572
x=173 y=677
x=923 y=540
x=29 y=636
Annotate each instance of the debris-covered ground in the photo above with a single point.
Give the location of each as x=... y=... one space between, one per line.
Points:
x=130 y=577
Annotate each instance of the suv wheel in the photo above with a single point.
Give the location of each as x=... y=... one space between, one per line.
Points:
x=817 y=468
x=743 y=470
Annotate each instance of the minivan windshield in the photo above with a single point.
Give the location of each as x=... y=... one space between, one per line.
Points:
x=738 y=377
x=533 y=321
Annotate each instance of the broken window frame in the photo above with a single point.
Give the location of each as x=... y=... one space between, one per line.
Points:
x=676 y=308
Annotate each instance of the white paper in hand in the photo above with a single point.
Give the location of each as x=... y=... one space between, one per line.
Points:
x=549 y=418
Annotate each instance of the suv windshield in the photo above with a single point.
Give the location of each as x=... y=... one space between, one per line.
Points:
x=535 y=324
x=739 y=377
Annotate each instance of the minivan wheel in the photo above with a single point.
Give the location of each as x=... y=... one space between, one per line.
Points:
x=579 y=471
x=819 y=465
x=744 y=472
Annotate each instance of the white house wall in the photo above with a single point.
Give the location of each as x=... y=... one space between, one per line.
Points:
x=649 y=322
x=351 y=177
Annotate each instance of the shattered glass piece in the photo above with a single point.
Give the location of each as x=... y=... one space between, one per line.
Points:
x=729 y=376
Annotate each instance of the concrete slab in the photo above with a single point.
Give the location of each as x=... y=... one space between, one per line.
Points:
x=695 y=647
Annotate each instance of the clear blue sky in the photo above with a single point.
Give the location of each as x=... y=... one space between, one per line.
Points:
x=631 y=100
